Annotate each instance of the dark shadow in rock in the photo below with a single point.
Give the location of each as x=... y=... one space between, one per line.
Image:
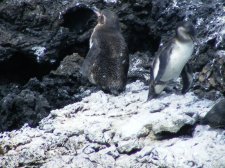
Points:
x=20 y=68
x=31 y=164
x=185 y=131
x=135 y=35
x=79 y=19
x=1 y=151
x=133 y=151
x=138 y=41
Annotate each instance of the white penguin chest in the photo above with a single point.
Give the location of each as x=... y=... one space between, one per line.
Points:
x=179 y=57
x=90 y=42
x=91 y=39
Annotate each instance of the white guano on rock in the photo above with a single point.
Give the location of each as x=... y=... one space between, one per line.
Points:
x=104 y=130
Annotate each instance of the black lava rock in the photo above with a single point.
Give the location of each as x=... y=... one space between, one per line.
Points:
x=34 y=100
x=26 y=107
x=216 y=116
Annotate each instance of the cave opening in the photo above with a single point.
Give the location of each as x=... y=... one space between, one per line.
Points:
x=20 y=67
x=80 y=20
x=141 y=39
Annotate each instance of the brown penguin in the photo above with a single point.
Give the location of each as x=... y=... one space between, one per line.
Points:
x=107 y=61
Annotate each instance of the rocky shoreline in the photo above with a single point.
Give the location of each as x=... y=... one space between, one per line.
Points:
x=124 y=131
x=43 y=44
x=36 y=37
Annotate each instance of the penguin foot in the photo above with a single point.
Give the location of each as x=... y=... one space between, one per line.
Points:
x=151 y=96
x=184 y=91
x=151 y=93
x=114 y=92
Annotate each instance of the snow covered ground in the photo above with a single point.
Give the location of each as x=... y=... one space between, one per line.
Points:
x=123 y=131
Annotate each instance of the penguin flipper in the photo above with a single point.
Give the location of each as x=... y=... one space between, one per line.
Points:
x=158 y=69
x=187 y=78
x=155 y=87
x=89 y=60
x=164 y=58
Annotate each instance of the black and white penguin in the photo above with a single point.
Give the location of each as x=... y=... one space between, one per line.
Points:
x=107 y=61
x=171 y=61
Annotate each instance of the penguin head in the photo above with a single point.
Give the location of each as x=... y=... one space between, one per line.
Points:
x=185 y=31
x=107 y=19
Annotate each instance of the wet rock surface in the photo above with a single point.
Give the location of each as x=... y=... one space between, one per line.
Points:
x=107 y=131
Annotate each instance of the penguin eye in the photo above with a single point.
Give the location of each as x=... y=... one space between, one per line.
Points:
x=101 y=19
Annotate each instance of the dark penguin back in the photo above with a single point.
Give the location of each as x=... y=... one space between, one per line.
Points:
x=107 y=61
x=112 y=62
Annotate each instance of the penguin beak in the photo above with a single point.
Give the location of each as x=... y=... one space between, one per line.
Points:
x=96 y=11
